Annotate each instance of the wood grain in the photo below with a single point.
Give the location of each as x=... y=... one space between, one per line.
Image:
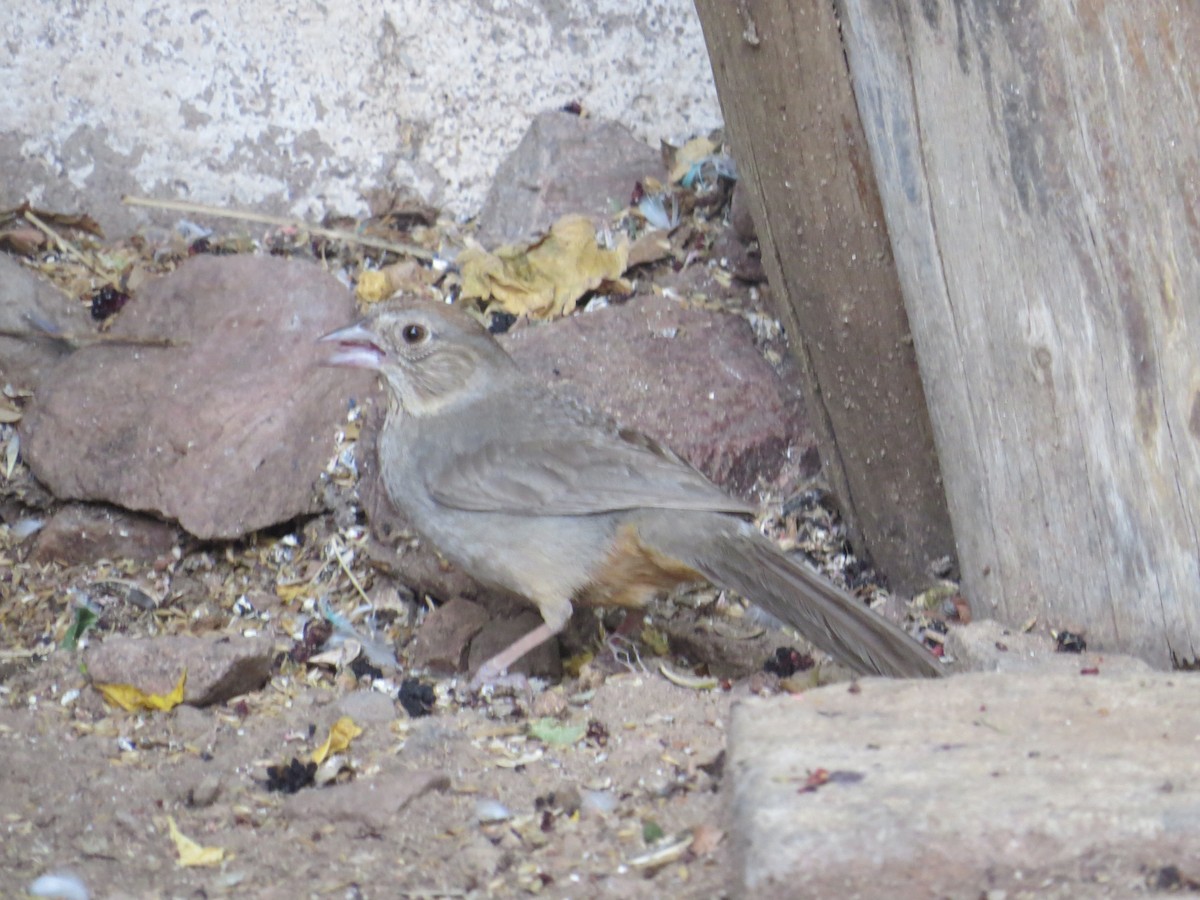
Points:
x=1039 y=173
x=791 y=117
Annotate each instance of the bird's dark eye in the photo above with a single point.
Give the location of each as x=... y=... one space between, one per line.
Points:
x=414 y=334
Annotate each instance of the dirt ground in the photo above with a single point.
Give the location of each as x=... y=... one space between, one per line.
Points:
x=625 y=801
x=608 y=784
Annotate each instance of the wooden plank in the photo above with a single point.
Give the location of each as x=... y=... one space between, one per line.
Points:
x=791 y=119
x=1039 y=171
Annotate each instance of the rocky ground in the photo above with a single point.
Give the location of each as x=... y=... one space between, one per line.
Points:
x=187 y=491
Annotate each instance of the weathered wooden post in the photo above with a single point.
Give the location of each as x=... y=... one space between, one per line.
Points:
x=791 y=117
x=1039 y=170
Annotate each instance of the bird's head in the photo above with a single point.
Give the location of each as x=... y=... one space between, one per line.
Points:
x=430 y=354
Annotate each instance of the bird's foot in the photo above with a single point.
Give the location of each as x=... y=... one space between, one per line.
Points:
x=498 y=682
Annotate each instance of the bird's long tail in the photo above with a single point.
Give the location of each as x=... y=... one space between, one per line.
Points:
x=735 y=556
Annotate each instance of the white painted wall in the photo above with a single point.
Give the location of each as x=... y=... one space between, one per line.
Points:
x=299 y=107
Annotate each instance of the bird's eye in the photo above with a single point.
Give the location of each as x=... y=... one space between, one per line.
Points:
x=414 y=334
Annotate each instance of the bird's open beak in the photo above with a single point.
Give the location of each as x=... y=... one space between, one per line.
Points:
x=357 y=347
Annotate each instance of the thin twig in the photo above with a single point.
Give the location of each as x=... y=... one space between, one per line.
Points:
x=77 y=341
x=63 y=244
x=334 y=234
x=337 y=552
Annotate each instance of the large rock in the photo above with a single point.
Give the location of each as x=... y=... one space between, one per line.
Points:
x=981 y=785
x=227 y=430
x=564 y=164
x=690 y=378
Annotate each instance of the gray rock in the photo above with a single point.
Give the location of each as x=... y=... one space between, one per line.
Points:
x=217 y=667
x=227 y=431
x=564 y=164
x=974 y=784
x=81 y=533
x=986 y=645
x=200 y=792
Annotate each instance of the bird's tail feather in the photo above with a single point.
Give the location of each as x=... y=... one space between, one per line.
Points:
x=738 y=558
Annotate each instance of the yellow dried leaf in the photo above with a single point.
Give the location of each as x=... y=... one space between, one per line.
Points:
x=546 y=278
x=689 y=154
x=372 y=286
x=340 y=735
x=289 y=593
x=656 y=640
x=191 y=853
x=408 y=276
x=132 y=699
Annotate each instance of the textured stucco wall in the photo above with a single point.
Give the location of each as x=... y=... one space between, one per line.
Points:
x=299 y=107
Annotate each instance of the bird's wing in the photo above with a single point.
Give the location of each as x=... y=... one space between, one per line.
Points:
x=576 y=472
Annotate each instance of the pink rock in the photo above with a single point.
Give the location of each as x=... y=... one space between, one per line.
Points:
x=442 y=642
x=226 y=431
x=80 y=533
x=218 y=667
x=691 y=379
x=543 y=661
x=564 y=164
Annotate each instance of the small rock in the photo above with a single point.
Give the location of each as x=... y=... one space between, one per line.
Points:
x=367 y=707
x=218 y=668
x=541 y=662
x=549 y=705
x=204 y=792
x=986 y=645
x=564 y=164
x=82 y=533
x=442 y=642
x=368 y=805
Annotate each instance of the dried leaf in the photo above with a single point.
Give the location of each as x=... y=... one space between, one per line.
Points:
x=656 y=640
x=289 y=593
x=340 y=735
x=132 y=699
x=548 y=277
x=650 y=247
x=191 y=853
x=688 y=155
x=372 y=287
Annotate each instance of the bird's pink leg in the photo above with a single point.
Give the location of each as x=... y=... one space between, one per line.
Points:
x=498 y=665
